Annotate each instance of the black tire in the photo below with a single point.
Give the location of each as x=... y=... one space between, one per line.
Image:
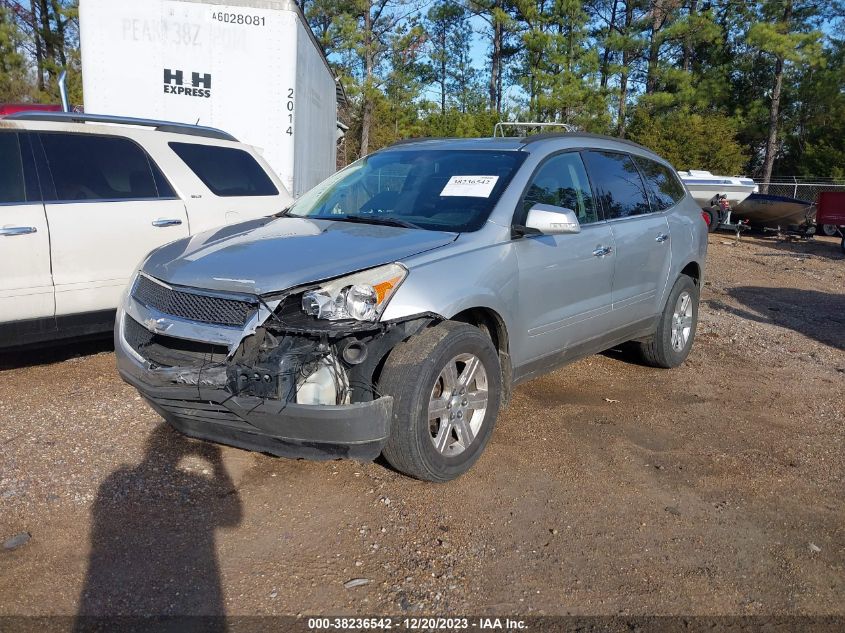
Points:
x=829 y=229
x=658 y=350
x=409 y=375
x=843 y=245
x=712 y=219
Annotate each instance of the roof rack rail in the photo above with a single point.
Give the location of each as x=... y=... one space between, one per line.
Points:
x=499 y=128
x=160 y=126
x=418 y=139
x=534 y=138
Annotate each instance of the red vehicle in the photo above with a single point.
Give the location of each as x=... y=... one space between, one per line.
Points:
x=830 y=210
x=11 y=108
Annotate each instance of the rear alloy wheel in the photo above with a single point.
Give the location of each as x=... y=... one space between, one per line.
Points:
x=446 y=385
x=672 y=341
x=829 y=229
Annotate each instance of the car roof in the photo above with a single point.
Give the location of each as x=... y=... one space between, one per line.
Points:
x=507 y=143
x=138 y=133
x=75 y=118
x=535 y=142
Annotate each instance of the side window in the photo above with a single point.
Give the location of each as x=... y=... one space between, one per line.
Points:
x=89 y=167
x=663 y=185
x=562 y=181
x=12 y=186
x=618 y=185
x=226 y=171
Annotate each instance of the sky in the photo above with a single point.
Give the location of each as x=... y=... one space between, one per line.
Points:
x=479 y=52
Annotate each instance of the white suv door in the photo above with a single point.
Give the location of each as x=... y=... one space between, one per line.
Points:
x=108 y=205
x=26 y=286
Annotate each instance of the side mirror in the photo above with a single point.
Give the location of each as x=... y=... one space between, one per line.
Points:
x=551 y=220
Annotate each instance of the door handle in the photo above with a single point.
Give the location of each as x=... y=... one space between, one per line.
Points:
x=661 y=237
x=601 y=251
x=171 y=222
x=11 y=231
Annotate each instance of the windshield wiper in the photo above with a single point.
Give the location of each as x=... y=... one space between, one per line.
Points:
x=369 y=219
x=284 y=213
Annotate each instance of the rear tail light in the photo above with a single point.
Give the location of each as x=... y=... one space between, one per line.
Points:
x=706 y=217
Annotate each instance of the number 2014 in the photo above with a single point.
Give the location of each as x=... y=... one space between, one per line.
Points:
x=289 y=107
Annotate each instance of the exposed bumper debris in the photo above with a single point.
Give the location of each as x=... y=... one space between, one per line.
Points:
x=291 y=386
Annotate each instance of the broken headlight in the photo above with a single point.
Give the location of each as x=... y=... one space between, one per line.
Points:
x=361 y=296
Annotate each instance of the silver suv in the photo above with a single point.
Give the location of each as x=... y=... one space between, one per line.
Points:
x=392 y=309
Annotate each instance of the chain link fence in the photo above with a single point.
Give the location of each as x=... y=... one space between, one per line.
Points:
x=799 y=189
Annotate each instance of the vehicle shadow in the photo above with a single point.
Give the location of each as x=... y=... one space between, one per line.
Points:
x=628 y=353
x=153 y=539
x=55 y=352
x=817 y=315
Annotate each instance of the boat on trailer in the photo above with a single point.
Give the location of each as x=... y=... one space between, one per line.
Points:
x=769 y=211
x=706 y=188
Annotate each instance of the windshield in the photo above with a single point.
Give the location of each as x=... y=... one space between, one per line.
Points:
x=438 y=190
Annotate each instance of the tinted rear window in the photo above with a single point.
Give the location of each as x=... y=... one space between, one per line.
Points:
x=663 y=184
x=617 y=183
x=88 y=167
x=226 y=171
x=12 y=187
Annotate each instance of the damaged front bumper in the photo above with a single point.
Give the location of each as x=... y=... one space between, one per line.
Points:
x=197 y=391
x=353 y=431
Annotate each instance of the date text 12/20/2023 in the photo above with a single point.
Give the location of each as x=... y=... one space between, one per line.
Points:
x=412 y=624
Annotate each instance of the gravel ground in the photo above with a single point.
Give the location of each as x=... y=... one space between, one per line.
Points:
x=608 y=487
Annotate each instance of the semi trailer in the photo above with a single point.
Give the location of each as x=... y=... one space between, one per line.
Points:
x=250 y=67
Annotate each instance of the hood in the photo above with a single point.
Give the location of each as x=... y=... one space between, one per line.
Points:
x=265 y=256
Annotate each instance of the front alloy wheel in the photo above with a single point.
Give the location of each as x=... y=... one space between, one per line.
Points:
x=446 y=384
x=458 y=404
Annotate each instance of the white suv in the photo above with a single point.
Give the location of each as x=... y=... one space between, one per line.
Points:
x=83 y=198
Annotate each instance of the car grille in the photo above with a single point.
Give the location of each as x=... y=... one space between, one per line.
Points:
x=136 y=334
x=193 y=306
x=167 y=351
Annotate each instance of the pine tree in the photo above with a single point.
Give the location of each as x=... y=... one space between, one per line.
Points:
x=786 y=35
x=14 y=84
x=499 y=17
x=442 y=20
x=358 y=33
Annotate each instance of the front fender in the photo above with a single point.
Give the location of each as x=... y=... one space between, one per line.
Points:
x=478 y=278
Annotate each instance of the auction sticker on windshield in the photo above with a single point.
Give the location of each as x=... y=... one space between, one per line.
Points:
x=470 y=186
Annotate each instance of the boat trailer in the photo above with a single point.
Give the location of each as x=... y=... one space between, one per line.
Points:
x=718 y=216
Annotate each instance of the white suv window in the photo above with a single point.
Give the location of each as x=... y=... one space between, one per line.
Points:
x=18 y=178
x=226 y=171
x=12 y=188
x=88 y=167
